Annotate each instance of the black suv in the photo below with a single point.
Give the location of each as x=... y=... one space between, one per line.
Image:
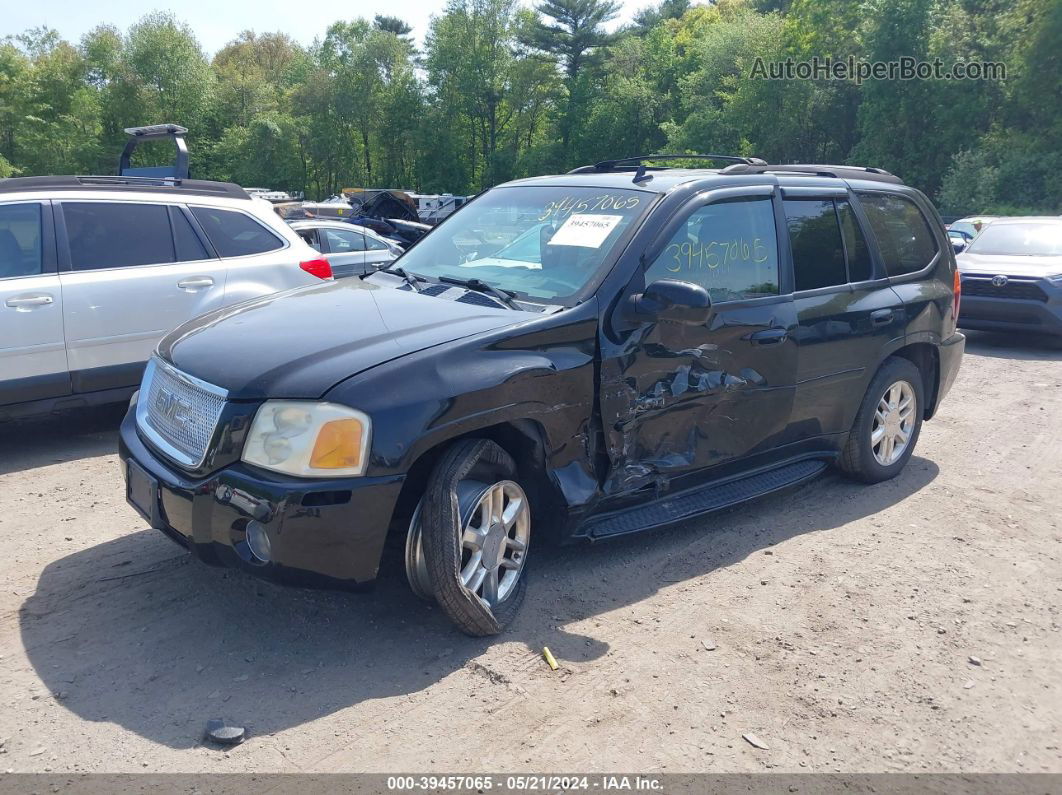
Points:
x=594 y=354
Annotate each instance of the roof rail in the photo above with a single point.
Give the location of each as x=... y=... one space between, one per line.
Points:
x=816 y=170
x=636 y=163
x=155 y=132
x=198 y=187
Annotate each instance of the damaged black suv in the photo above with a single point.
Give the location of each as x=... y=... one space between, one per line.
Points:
x=585 y=355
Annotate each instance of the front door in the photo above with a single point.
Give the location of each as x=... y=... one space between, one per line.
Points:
x=32 y=353
x=679 y=399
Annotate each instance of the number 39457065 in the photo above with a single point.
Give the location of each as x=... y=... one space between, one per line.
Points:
x=715 y=254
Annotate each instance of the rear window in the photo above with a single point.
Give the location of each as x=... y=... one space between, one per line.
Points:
x=117 y=234
x=818 y=251
x=234 y=234
x=189 y=247
x=20 y=240
x=904 y=236
x=855 y=243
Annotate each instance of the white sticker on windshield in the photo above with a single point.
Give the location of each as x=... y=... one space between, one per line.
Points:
x=588 y=231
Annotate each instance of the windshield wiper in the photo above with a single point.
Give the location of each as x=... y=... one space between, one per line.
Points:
x=410 y=278
x=505 y=296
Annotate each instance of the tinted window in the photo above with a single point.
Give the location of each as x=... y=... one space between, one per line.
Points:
x=117 y=234
x=818 y=253
x=189 y=246
x=20 y=240
x=234 y=234
x=855 y=243
x=729 y=248
x=903 y=234
x=342 y=241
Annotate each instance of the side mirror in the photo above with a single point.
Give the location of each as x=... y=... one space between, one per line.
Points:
x=957 y=245
x=670 y=299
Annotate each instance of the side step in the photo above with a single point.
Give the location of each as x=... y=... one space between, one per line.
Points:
x=714 y=497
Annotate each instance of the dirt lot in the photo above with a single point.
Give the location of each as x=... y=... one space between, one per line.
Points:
x=908 y=626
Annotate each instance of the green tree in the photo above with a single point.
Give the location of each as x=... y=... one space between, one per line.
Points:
x=572 y=31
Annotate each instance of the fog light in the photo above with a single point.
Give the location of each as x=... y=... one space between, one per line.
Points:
x=258 y=541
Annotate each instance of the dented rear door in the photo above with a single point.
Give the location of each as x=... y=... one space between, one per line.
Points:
x=678 y=399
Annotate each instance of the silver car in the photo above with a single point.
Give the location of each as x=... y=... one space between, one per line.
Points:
x=1012 y=277
x=351 y=250
x=95 y=270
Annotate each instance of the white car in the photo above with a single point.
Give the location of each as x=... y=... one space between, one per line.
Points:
x=351 y=250
x=95 y=270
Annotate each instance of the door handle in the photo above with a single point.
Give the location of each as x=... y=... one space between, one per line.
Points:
x=881 y=317
x=30 y=300
x=769 y=336
x=192 y=284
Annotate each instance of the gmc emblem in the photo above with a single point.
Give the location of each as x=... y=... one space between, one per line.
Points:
x=173 y=408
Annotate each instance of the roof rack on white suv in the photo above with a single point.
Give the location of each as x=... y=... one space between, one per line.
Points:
x=200 y=187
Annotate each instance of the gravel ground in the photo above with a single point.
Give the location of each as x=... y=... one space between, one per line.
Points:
x=909 y=626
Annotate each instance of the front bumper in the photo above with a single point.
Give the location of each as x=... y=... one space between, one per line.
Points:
x=984 y=313
x=322 y=532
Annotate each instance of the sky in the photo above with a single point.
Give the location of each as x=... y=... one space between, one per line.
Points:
x=216 y=22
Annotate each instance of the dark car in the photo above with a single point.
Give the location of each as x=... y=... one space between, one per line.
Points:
x=1012 y=277
x=591 y=354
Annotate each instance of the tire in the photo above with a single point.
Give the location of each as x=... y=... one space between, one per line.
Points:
x=871 y=461
x=471 y=491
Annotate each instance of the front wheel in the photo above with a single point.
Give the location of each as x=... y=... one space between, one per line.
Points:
x=886 y=428
x=468 y=541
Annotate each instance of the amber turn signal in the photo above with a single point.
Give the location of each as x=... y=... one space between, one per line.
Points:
x=338 y=445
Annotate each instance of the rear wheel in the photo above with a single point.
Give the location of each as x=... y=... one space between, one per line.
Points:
x=887 y=426
x=468 y=540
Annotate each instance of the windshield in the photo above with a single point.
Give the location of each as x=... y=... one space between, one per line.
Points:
x=544 y=243
x=1027 y=240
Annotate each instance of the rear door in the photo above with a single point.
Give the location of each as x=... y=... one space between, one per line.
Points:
x=847 y=314
x=345 y=251
x=130 y=272
x=32 y=353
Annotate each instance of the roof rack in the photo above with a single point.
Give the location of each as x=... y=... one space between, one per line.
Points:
x=197 y=187
x=637 y=163
x=155 y=132
x=816 y=170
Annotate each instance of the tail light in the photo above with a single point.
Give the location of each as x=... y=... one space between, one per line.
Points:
x=957 y=293
x=317 y=267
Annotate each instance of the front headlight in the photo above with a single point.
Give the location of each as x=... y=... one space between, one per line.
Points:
x=308 y=439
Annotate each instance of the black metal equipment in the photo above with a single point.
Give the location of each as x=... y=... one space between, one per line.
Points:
x=155 y=132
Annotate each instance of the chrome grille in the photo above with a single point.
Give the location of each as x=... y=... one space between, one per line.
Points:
x=178 y=413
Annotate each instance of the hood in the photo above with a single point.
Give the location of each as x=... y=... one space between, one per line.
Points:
x=1008 y=265
x=300 y=343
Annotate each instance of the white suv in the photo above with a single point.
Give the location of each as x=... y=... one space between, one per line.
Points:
x=94 y=270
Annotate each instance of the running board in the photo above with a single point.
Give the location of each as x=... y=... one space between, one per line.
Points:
x=714 y=497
